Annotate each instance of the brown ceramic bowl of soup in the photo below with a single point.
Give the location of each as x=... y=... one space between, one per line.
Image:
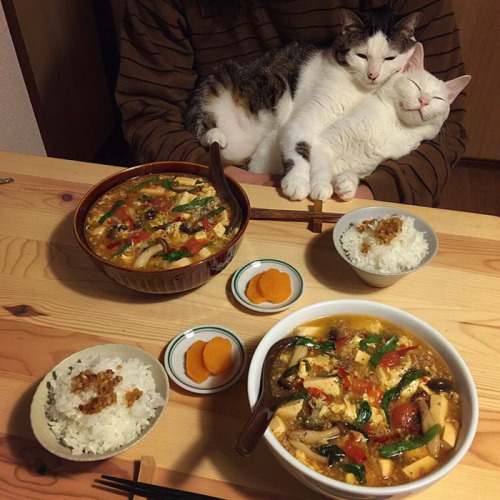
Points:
x=385 y=406
x=159 y=228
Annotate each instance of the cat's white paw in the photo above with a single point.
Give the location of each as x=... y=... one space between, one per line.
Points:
x=345 y=188
x=295 y=187
x=214 y=135
x=321 y=191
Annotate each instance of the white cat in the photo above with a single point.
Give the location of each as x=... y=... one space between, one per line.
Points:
x=335 y=82
x=411 y=107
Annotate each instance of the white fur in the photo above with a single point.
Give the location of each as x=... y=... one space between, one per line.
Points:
x=327 y=91
x=409 y=108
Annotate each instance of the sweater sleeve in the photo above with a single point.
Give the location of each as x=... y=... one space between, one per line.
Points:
x=156 y=77
x=419 y=178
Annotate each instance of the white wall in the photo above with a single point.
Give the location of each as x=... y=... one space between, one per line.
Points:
x=18 y=127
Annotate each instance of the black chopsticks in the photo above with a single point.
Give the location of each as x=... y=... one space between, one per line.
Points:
x=151 y=490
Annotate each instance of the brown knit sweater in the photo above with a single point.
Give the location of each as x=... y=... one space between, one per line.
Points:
x=167 y=44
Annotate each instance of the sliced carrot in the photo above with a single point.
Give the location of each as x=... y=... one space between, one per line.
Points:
x=217 y=355
x=195 y=367
x=252 y=291
x=275 y=286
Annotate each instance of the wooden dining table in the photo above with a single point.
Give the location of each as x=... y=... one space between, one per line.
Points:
x=55 y=302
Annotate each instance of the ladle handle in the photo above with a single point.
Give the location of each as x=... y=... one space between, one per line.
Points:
x=255 y=427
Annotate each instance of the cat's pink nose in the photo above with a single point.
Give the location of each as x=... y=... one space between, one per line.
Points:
x=373 y=76
x=423 y=100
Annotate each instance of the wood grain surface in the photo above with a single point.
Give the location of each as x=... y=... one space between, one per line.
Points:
x=54 y=302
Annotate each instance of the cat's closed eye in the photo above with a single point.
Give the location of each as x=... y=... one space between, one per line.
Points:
x=415 y=83
x=390 y=58
x=363 y=56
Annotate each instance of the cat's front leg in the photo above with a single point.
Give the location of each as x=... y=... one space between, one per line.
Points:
x=345 y=185
x=296 y=180
x=321 y=173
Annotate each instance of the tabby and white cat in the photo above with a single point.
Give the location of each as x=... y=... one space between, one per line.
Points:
x=410 y=108
x=266 y=113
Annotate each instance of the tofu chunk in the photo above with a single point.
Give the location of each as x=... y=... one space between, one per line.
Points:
x=219 y=229
x=184 y=198
x=186 y=181
x=420 y=467
x=362 y=357
x=450 y=434
x=277 y=426
x=290 y=410
x=308 y=331
x=204 y=253
x=185 y=261
x=439 y=408
x=329 y=385
x=385 y=467
x=153 y=190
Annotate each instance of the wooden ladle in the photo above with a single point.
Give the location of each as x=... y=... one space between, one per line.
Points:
x=222 y=186
x=267 y=404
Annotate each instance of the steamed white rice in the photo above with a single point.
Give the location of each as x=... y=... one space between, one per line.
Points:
x=115 y=425
x=404 y=252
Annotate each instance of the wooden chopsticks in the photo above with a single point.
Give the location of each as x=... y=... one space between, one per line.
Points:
x=292 y=215
x=150 y=490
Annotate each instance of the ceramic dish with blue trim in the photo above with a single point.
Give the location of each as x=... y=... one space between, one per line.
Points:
x=245 y=273
x=175 y=359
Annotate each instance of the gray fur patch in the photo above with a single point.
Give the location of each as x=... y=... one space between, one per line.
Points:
x=287 y=166
x=303 y=148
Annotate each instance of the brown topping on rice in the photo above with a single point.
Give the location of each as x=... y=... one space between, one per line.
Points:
x=384 y=230
x=132 y=396
x=102 y=383
x=387 y=229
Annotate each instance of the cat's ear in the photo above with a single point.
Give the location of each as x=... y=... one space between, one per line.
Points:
x=408 y=24
x=455 y=86
x=349 y=21
x=416 y=61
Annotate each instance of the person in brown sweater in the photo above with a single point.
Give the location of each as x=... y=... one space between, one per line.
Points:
x=167 y=45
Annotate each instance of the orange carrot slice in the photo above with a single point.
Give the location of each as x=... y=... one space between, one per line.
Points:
x=275 y=286
x=217 y=355
x=252 y=291
x=195 y=367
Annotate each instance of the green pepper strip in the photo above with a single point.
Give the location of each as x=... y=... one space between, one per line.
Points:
x=176 y=255
x=193 y=204
x=364 y=413
x=328 y=345
x=390 y=345
x=411 y=375
x=167 y=184
x=115 y=207
x=123 y=248
x=142 y=184
x=372 y=339
x=392 y=450
x=357 y=470
x=215 y=212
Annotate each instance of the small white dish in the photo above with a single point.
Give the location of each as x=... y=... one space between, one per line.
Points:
x=175 y=357
x=245 y=273
x=38 y=417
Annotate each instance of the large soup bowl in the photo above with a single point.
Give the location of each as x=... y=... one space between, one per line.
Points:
x=337 y=489
x=171 y=280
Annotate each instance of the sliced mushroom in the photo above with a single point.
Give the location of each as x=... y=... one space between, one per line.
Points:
x=299 y=445
x=314 y=437
x=434 y=445
x=145 y=256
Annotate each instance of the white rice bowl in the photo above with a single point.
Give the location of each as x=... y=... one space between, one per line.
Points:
x=63 y=429
x=113 y=426
x=403 y=253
